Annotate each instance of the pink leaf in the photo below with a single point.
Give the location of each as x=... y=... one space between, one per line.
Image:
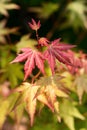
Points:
x=39 y=61
x=58 y=51
x=29 y=66
x=33 y=58
x=34 y=25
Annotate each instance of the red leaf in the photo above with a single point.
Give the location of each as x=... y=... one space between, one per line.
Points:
x=32 y=58
x=39 y=61
x=61 y=46
x=58 y=51
x=51 y=60
x=34 y=25
x=43 y=41
x=29 y=66
x=63 y=57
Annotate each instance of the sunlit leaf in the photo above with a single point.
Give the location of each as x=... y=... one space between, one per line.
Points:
x=46 y=10
x=68 y=80
x=14 y=73
x=28 y=95
x=24 y=42
x=19 y=110
x=12 y=100
x=6 y=106
x=3 y=111
x=57 y=111
x=7 y=5
x=28 y=92
x=32 y=58
x=44 y=99
x=68 y=112
x=81 y=85
x=76 y=14
x=4 y=31
x=52 y=87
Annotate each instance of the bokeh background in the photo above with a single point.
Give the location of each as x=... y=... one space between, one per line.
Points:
x=65 y=19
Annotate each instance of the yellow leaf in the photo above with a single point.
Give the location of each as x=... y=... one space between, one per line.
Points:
x=6 y=5
x=52 y=87
x=60 y=93
x=51 y=94
x=43 y=98
x=4 y=31
x=56 y=107
x=4 y=105
x=28 y=92
x=31 y=102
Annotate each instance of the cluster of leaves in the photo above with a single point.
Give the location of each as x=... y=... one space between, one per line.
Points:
x=55 y=77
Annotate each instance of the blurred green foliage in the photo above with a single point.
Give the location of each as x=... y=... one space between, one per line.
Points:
x=66 y=19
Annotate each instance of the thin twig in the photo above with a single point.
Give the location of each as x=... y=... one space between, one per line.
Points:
x=37 y=35
x=35 y=77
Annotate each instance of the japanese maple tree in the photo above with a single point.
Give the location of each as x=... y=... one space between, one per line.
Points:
x=55 y=50
x=49 y=87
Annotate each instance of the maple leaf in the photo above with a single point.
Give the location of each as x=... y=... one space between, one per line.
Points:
x=5 y=31
x=28 y=92
x=58 y=51
x=32 y=58
x=76 y=61
x=80 y=61
x=52 y=87
x=7 y=5
x=45 y=91
x=34 y=25
x=68 y=112
x=83 y=58
x=80 y=84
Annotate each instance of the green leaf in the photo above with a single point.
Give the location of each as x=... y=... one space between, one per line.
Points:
x=81 y=125
x=24 y=42
x=4 y=31
x=83 y=129
x=6 y=107
x=14 y=73
x=11 y=72
x=46 y=10
x=75 y=14
x=18 y=112
x=69 y=121
x=68 y=80
x=13 y=98
x=68 y=112
x=81 y=85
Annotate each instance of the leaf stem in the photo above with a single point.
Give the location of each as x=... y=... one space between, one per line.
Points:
x=37 y=35
x=36 y=76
